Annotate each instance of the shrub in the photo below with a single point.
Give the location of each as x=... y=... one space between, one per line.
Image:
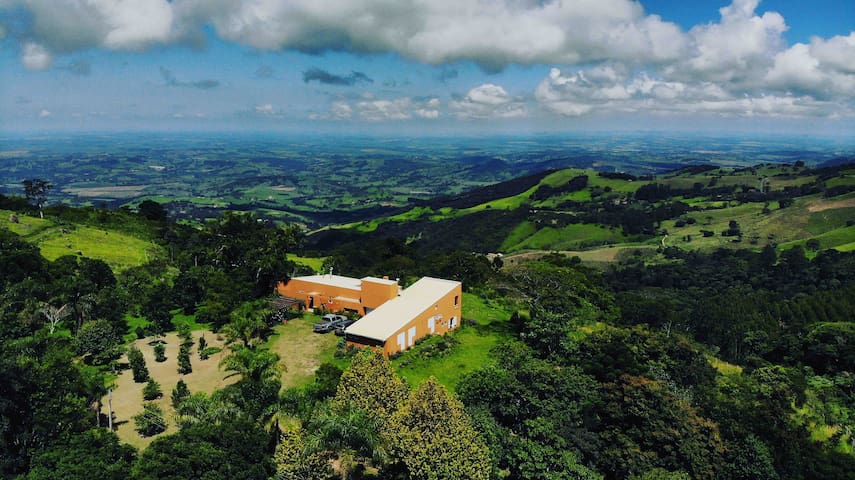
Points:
x=152 y=390
x=159 y=352
x=179 y=393
x=150 y=421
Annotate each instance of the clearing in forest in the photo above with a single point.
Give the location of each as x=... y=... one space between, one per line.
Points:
x=128 y=397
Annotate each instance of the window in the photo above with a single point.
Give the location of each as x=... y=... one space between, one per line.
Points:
x=456 y=300
x=412 y=335
x=452 y=322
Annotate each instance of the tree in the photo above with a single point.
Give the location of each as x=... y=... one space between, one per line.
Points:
x=156 y=308
x=184 y=365
x=98 y=341
x=371 y=385
x=251 y=365
x=179 y=394
x=93 y=454
x=233 y=450
x=645 y=426
x=36 y=191
x=152 y=390
x=434 y=438
x=54 y=315
x=152 y=210
x=249 y=323
x=294 y=460
x=150 y=421
x=137 y=363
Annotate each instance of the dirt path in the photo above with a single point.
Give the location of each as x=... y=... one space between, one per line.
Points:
x=821 y=206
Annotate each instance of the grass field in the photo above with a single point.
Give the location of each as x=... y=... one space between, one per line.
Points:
x=119 y=250
x=315 y=263
x=574 y=236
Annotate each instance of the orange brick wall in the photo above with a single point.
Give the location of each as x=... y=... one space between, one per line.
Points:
x=316 y=295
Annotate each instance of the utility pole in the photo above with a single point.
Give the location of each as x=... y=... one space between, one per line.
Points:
x=110 y=408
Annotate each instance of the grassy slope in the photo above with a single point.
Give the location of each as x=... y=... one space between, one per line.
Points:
x=119 y=250
x=472 y=351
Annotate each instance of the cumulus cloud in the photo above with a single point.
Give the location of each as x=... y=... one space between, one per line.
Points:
x=322 y=76
x=383 y=110
x=488 y=101
x=738 y=47
x=740 y=65
x=494 y=34
x=584 y=92
x=172 y=81
x=35 y=56
x=62 y=26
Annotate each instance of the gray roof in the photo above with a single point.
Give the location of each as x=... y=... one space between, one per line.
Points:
x=382 y=322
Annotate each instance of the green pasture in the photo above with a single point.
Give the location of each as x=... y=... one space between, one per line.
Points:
x=119 y=250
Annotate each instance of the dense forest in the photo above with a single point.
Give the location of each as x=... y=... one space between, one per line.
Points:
x=734 y=364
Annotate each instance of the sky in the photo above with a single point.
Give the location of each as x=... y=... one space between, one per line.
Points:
x=428 y=66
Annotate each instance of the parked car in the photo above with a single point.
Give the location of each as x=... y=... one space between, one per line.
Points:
x=340 y=329
x=329 y=323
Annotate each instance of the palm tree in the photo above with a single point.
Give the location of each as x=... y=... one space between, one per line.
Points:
x=352 y=433
x=248 y=324
x=252 y=365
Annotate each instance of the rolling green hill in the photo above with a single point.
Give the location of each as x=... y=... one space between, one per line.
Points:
x=55 y=239
x=700 y=207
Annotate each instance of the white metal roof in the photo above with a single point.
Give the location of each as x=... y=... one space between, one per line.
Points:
x=384 y=281
x=382 y=322
x=333 y=280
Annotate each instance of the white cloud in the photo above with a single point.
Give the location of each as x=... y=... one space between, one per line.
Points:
x=44 y=113
x=35 y=56
x=493 y=34
x=382 y=110
x=63 y=26
x=488 y=101
x=837 y=53
x=736 y=49
x=266 y=109
x=586 y=92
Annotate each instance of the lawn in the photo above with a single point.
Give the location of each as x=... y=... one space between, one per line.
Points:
x=302 y=351
x=484 y=326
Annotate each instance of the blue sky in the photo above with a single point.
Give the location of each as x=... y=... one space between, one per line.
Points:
x=437 y=67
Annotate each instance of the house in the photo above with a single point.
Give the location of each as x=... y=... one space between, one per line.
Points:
x=338 y=293
x=429 y=306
